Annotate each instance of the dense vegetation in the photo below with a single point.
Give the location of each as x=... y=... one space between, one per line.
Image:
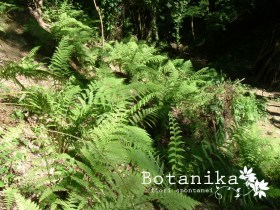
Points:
x=120 y=105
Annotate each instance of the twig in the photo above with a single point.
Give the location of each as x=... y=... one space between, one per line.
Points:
x=19 y=84
x=66 y=134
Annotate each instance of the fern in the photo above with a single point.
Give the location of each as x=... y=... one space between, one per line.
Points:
x=13 y=197
x=120 y=188
x=175 y=200
x=67 y=26
x=27 y=67
x=24 y=204
x=146 y=161
x=59 y=62
x=8 y=197
x=101 y=123
x=175 y=147
x=135 y=137
x=137 y=61
x=203 y=74
x=8 y=7
x=141 y=116
x=10 y=155
x=273 y=193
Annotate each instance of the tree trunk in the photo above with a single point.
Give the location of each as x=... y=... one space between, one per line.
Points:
x=35 y=9
x=267 y=65
x=101 y=21
x=153 y=32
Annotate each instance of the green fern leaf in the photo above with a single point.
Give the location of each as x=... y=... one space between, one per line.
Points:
x=175 y=147
x=59 y=62
x=175 y=200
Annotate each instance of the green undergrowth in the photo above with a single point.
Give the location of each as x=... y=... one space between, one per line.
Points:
x=120 y=109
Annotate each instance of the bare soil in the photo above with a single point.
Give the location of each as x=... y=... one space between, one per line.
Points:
x=271 y=125
x=13 y=47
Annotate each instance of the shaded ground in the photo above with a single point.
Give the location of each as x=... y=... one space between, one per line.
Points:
x=12 y=44
x=13 y=47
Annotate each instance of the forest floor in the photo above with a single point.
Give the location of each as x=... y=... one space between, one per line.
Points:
x=270 y=126
x=13 y=47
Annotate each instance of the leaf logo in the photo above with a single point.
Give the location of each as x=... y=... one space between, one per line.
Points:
x=251 y=182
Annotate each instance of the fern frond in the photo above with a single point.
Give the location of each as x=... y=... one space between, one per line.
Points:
x=187 y=67
x=175 y=147
x=27 y=67
x=273 y=193
x=145 y=161
x=8 y=197
x=109 y=94
x=144 y=117
x=39 y=100
x=138 y=61
x=48 y=194
x=75 y=201
x=156 y=59
x=25 y=204
x=59 y=61
x=203 y=74
x=175 y=200
x=12 y=196
x=141 y=116
x=169 y=67
x=69 y=26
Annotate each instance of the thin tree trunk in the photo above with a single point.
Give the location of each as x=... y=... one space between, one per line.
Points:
x=101 y=22
x=154 y=24
x=192 y=26
x=177 y=29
